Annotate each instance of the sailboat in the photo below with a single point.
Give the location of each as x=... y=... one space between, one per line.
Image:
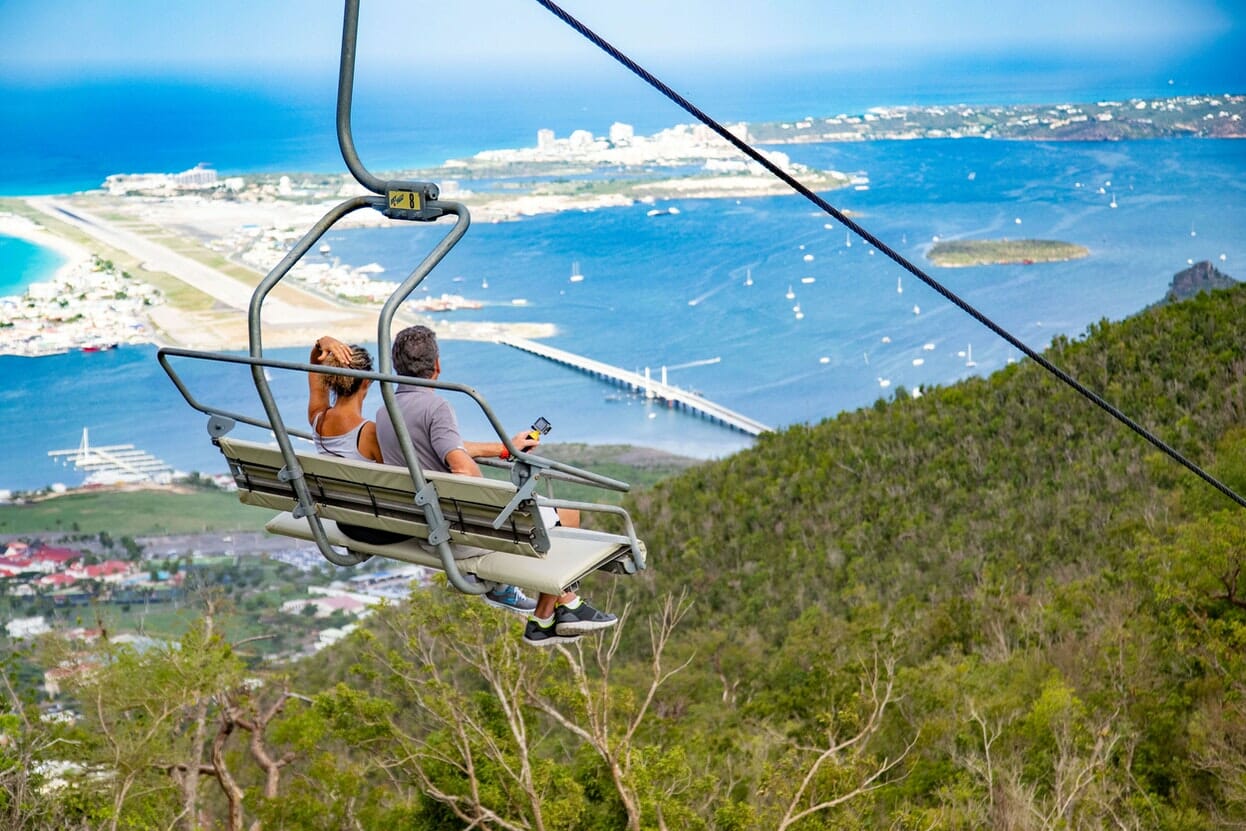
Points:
x=791 y=295
x=748 y=277
x=847 y=240
x=899 y=285
x=576 y=276
x=1112 y=204
x=484 y=284
x=969 y=361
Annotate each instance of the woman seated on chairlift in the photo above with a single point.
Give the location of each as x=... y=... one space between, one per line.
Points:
x=335 y=402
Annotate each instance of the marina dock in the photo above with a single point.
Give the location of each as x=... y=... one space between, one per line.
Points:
x=642 y=384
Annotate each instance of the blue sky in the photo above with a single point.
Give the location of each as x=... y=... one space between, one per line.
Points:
x=72 y=38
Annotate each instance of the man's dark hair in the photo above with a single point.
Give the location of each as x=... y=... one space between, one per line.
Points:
x=415 y=352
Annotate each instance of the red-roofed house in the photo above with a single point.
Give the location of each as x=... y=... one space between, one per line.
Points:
x=110 y=571
x=56 y=556
x=57 y=580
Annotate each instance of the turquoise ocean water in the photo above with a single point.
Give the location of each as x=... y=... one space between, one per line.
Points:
x=671 y=291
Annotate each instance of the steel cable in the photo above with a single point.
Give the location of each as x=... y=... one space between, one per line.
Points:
x=895 y=256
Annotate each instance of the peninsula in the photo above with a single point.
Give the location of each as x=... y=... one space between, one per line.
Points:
x=958 y=253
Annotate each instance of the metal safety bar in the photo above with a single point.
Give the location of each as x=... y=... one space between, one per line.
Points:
x=550 y=468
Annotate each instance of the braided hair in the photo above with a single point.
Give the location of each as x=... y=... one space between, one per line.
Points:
x=346 y=385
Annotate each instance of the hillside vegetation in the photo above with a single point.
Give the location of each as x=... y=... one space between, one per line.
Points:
x=990 y=607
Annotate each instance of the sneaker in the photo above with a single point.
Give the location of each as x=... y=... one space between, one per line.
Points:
x=580 y=618
x=510 y=598
x=534 y=634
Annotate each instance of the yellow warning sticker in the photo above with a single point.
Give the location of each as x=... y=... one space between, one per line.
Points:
x=404 y=199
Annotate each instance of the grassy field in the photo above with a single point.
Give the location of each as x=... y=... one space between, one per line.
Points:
x=149 y=512
x=133 y=513
x=999 y=251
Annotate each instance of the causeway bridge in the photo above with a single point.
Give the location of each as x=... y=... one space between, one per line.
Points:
x=644 y=384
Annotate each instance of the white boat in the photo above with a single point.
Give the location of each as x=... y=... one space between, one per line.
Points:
x=847 y=240
x=796 y=308
x=484 y=284
x=576 y=276
x=969 y=361
x=918 y=361
x=325 y=249
x=917 y=310
x=808 y=258
x=519 y=301
x=1112 y=204
x=899 y=285
x=662 y=212
x=748 y=277
x=791 y=295
x=808 y=280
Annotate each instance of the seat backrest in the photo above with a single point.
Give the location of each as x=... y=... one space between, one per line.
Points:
x=383 y=497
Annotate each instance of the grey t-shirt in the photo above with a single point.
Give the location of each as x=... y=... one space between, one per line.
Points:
x=431 y=422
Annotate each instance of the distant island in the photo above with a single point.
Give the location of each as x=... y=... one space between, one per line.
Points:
x=958 y=253
x=1186 y=116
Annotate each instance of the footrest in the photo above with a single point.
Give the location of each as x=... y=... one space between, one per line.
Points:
x=573 y=553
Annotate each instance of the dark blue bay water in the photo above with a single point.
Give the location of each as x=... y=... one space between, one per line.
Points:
x=1177 y=201
x=657 y=291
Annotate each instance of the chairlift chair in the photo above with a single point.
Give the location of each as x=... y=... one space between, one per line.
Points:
x=480 y=532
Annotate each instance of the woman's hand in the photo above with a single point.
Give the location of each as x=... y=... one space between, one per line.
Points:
x=327 y=346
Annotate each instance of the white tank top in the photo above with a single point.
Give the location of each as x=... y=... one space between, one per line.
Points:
x=345 y=446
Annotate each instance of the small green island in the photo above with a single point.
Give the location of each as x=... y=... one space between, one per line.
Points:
x=958 y=253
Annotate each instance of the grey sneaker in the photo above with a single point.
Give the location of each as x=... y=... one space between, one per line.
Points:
x=534 y=634
x=583 y=618
x=510 y=598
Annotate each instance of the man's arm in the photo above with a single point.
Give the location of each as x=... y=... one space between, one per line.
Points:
x=460 y=462
x=493 y=449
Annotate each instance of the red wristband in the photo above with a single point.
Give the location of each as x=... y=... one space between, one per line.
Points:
x=504 y=455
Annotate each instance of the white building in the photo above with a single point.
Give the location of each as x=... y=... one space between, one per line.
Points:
x=27 y=627
x=544 y=139
x=199 y=176
x=581 y=139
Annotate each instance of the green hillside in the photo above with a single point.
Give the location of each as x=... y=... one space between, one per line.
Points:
x=990 y=607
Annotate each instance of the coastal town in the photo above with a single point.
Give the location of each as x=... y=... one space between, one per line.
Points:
x=44 y=580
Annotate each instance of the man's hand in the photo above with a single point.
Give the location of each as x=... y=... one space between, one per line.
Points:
x=525 y=440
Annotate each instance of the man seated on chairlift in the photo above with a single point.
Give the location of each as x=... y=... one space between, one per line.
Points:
x=435 y=435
